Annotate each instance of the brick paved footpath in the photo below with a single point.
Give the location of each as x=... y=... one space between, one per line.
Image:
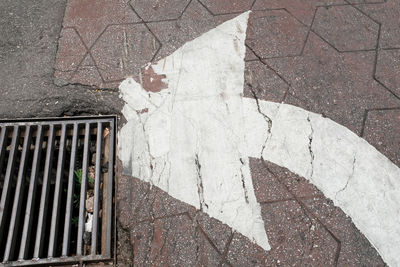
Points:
x=339 y=58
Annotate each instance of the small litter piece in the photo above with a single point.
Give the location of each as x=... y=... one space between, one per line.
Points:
x=90 y=205
x=89 y=223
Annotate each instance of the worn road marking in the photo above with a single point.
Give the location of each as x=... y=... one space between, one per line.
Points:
x=193 y=139
x=191 y=142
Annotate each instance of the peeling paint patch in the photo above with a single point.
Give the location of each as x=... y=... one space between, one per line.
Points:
x=151 y=81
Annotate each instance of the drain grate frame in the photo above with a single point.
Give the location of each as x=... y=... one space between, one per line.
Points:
x=41 y=190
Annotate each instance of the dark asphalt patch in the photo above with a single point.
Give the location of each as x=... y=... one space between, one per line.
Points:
x=29 y=33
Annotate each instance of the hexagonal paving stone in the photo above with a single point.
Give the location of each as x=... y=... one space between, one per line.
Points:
x=90 y=18
x=70 y=53
x=154 y=10
x=264 y=82
x=302 y=10
x=172 y=241
x=388 y=69
x=87 y=73
x=216 y=231
x=382 y=130
x=250 y=55
x=337 y=85
x=295 y=238
x=367 y=1
x=355 y=249
x=195 y=21
x=144 y=202
x=227 y=6
x=388 y=15
x=297 y=185
x=275 y=33
x=123 y=49
x=346 y=28
x=266 y=187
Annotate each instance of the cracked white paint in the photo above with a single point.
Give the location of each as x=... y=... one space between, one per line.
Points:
x=348 y=170
x=196 y=136
x=191 y=141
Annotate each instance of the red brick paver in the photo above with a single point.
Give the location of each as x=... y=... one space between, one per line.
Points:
x=194 y=21
x=338 y=85
x=386 y=14
x=354 y=30
x=378 y=124
x=227 y=6
x=71 y=51
x=117 y=58
x=264 y=82
x=388 y=69
x=156 y=10
x=275 y=33
x=302 y=10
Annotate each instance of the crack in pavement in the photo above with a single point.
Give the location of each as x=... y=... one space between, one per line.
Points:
x=199 y=182
x=266 y=118
x=310 y=138
x=349 y=178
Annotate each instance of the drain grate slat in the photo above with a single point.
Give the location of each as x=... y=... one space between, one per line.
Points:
x=108 y=190
x=2 y=144
x=23 y=251
x=96 y=190
x=45 y=192
x=67 y=222
x=56 y=186
x=83 y=190
x=57 y=193
x=7 y=178
x=16 y=213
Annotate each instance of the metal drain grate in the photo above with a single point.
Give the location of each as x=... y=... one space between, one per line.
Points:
x=56 y=186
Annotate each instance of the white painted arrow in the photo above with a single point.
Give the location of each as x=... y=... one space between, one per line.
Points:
x=193 y=140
